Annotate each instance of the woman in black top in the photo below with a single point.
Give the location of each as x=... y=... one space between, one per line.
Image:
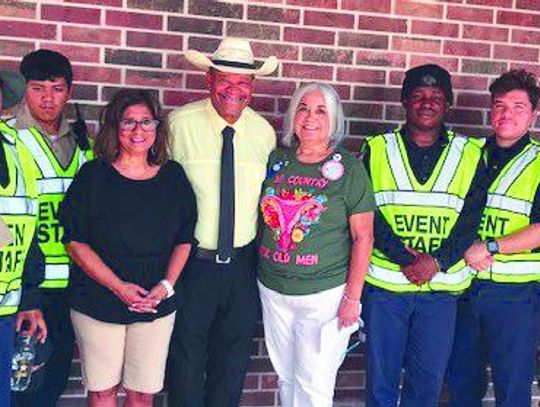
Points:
x=129 y=218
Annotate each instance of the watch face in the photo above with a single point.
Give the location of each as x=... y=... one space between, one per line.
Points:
x=492 y=246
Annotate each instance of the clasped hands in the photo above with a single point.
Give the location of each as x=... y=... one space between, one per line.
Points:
x=422 y=269
x=138 y=299
x=478 y=257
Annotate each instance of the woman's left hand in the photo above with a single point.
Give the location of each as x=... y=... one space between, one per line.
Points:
x=348 y=312
x=151 y=301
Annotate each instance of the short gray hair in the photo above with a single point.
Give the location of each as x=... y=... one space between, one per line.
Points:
x=333 y=106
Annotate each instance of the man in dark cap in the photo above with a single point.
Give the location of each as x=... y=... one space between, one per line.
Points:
x=58 y=152
x=426 y=181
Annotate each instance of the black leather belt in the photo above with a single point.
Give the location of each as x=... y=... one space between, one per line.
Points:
x=207 y=254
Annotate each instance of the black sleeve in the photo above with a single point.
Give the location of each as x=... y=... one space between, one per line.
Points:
x=465 y=230
x=73 y=210
x=385 y=239
x=33 y=275
x=535 y=211
x=186 y=228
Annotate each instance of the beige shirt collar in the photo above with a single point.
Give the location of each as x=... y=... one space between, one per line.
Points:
x=219 y=123
x=26 y=120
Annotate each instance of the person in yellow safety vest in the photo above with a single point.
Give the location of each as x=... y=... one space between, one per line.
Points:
x=42 y=126
x=498 y=320
x=426 y=180
x=21 y=260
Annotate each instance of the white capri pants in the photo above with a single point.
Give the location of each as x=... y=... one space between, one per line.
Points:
x=306 y=366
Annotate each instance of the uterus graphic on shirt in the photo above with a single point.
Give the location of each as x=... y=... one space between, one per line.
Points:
x=290 y=215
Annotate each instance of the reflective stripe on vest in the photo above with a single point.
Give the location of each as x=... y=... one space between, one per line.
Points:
x=421 y=213
x=52 y=186
x=508 y=209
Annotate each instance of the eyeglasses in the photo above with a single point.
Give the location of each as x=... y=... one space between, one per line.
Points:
x=131 y=124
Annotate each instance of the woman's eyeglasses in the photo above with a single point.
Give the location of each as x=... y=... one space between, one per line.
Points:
x=131 y=124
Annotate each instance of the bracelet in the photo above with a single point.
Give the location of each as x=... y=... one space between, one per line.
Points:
x=347 y=298
x=168 y=287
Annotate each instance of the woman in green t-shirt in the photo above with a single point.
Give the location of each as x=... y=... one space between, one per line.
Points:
x=317 y=231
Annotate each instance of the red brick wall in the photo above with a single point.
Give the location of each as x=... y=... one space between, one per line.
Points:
x=362 y=47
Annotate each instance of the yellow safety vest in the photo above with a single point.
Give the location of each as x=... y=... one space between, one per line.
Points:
x=53 y=182
x=508 y=209
x=421 y=215
x=18 y=210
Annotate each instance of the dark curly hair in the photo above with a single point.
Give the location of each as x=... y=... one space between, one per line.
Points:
x=106 y=145
x=516 y=79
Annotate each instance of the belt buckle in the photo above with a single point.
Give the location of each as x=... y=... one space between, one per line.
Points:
x=224 y=261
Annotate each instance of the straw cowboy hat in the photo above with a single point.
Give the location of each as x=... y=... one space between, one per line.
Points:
x=13 y=88
x=234 y=55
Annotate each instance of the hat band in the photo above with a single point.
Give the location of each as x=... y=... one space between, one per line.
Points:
x=233 y=64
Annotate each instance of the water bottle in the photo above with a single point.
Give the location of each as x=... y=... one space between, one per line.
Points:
x=22 y=362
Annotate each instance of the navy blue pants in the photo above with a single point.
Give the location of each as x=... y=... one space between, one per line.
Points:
x=7 y=337
x=407 y=331
x=496 y=324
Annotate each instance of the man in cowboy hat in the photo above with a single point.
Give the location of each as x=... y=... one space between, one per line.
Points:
x=220 y=301
x=12 y=87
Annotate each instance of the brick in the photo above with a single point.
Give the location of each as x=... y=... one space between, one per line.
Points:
x=216 y=9
x=274 y=87
x=533 y=5
x=84 y=92
x=483 y=67
x=273 y=14
x=91 y=35
x=450 y=64
x=70 y=14
x=128 y=57
x=153 y=40
x=526 y=37
x=281 y=51
x=179 y=62
x=419 y=9
x=96 y=74
x=109 y=91
x=363 y=110
x=353 y=144
x=112 y=3
x=396 y=25
x=269 y=381
x=156 y=79
x=469 y=14
x=253 y=30
x=11 y=48
x=195 y=25
x=394 y=112
x=373 y=58
x=473 y=131
x=467 y=49
x=309 y=36
x=435 y=28
x=416 y=45
x=396 y=77
x=463 y=116
x=348 y=394
x=18 y=9
x=251 y=382
x=520 y=19
x=516 y=53
x=327 y=55
x=263 y=104
x=158 y=5
x=348 y=379
x=203 y=44
x=305 y=71
x=75 y=53
x=326 y=19
x=313 y=3
x=356 y=40
x=11 y=65
x=361 y=128
x=469 y=82
x=375 y=6
x=491 y=3
x=27 y=29
x=259 y=398
x=135 y=20
x=477 y=100
x=485 y=33
x=533 y=68
x=195 y=81
x=360 y=75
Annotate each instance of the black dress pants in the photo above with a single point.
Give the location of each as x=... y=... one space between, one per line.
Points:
x=210 y=348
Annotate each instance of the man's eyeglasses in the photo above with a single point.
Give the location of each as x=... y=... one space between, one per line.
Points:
x=131 y=124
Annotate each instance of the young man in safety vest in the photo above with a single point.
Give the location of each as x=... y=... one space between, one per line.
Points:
x=56 y=149
x=423 y=177
x=21 y=260
x=498 y=319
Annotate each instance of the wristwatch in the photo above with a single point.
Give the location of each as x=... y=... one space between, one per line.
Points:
x=492 y=246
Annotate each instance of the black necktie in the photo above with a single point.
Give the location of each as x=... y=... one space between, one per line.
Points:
x=226 y=200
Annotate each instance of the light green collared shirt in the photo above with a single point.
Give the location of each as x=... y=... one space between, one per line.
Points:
x=196 y=144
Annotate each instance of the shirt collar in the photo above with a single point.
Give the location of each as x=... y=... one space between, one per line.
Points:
x=220 y=123
x=513 y=150
x=26 y=120
x=441 y=141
